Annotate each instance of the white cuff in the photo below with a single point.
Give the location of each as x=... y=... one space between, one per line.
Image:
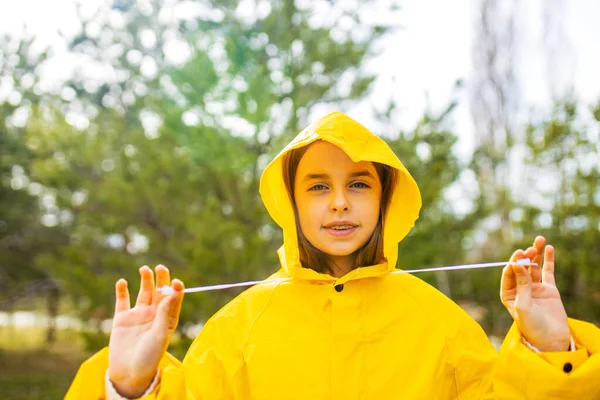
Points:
x=110 y=387
x=535 y=349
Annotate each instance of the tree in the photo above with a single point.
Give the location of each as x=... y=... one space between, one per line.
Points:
x=564 y=176
x=162 y=163
x=22 y=236
x=494 y=103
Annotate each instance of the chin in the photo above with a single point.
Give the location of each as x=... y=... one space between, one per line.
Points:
x=340 y=251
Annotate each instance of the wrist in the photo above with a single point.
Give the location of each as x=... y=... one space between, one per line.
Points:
x=560 y=345
x=131 y=388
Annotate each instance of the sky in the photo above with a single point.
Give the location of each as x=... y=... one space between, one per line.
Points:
x=421 y=62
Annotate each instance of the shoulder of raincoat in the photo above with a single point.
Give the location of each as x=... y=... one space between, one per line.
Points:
x=367 y=335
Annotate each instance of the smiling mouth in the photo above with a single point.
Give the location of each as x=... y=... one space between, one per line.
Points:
x=340 y=227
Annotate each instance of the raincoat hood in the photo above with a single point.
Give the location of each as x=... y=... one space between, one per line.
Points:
x=360 y=145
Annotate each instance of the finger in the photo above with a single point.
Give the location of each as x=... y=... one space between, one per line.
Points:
x=163 y=278
x=529 y=253
x=146 y=286
x=507 y=284
x=176 y=307
x=509 y=279
x=548 y=269
x=539 y=244
x=122 y=302
x=534 y=270
x=523 y=299
x=167 y=313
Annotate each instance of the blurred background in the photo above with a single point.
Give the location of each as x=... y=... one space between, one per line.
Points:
x=135 y=132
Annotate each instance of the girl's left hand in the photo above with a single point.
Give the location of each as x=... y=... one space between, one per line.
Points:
x=532 y=299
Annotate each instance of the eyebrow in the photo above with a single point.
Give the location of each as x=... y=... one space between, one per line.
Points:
x=357 y=174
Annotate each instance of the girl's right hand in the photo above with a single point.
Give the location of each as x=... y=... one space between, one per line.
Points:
x=140 y=335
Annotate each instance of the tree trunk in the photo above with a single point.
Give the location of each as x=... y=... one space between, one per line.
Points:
x=53 y=302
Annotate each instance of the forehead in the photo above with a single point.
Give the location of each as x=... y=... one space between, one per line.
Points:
x=326 y=158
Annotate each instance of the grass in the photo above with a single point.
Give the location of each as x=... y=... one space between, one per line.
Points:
x=33 y=371
x=36 y=375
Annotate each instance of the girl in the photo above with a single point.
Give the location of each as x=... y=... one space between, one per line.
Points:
x=343 y=327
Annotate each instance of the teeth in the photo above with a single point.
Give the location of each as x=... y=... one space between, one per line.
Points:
x=341 y=227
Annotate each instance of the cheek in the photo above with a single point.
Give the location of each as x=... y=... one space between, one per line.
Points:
x=307 y=211
x=371 y=210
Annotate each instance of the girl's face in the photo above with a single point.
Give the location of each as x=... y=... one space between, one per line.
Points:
x=338 y=200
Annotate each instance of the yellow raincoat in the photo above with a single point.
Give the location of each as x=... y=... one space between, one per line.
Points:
x=367 y=335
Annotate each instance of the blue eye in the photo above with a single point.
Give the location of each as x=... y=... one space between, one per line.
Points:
x=360 y=185
x=317 y=188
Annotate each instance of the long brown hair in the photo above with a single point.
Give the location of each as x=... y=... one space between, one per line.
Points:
x=370 y=253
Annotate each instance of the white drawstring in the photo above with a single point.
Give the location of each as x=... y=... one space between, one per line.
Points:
x=526 y=262
x=169 y=289
x=166 y=290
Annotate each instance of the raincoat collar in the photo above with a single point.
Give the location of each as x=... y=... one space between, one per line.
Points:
x=360 y=145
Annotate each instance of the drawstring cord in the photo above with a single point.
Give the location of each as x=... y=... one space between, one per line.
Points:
x=166 y=290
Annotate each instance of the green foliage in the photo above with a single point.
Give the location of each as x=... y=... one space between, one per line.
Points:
x=439 y=234
x=21 y=235
x=163 y=164
x=564 y=173
x=94 y=340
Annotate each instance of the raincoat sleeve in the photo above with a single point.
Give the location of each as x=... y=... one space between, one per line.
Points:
x=520 y=373
x=201 y=376
x=524 y=374
x=89 y=383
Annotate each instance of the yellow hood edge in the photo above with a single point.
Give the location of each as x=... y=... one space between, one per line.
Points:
x=360 y=145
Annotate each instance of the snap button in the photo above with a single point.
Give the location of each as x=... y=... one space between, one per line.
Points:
x=568 y=367
x=339 y=288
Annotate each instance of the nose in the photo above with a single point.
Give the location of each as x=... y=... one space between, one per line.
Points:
x=339 y=201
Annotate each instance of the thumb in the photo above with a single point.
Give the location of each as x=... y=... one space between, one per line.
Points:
x=167 y=313
x=523 y=299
